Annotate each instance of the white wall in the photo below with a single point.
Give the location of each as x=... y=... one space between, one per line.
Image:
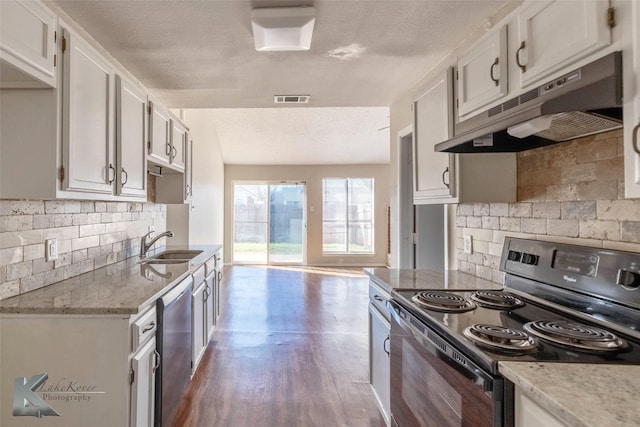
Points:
x=313 y=175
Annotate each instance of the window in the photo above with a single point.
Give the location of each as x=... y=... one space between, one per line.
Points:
x=347 y=215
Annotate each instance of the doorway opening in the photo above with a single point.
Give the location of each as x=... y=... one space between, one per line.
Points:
x=269 y=223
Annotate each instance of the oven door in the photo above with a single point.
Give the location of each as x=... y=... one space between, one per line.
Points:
x=433 y=385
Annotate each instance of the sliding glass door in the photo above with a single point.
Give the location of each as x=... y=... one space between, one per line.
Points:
x=269 y=223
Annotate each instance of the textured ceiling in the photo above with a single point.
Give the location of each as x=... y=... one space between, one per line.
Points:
x=271 y=136
x=200 y=54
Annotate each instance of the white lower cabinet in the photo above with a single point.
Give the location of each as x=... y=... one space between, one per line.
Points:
x=379 y=360
x=199 y=327
x=143 y=367
x=379 y=349
x=98 y=370
x=210 y=305
x=529 y=413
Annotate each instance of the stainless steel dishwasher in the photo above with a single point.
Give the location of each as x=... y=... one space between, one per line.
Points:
x=174 y=345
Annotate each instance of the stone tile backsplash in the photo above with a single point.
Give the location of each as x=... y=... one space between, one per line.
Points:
x=569 y=192
x=89 y=234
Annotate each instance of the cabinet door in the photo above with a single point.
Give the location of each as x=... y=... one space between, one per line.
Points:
x=87 y=122
x=555 y=34
x=631 y=109
x=528 y=413
x=144 y=364
x=482 y=73
x=211 y=304
x=379 y=362
x=131 y=136
x=178 y=145
x=433 y=173
x=198 y=325
x=188 y=169
x=27 y=45
x=159 y=146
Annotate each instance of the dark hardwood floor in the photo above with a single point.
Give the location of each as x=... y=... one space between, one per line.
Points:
x=290 y=349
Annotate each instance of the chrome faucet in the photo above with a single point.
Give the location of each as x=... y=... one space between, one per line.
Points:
x=144 y=246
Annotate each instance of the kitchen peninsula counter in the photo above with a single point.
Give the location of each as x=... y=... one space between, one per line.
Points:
x=580 y=395
x=389 y=279
x=125 y=287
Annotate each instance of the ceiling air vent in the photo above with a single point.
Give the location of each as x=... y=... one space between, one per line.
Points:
x=291 y=99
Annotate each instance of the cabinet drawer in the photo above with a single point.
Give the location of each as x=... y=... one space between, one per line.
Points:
x=143 y=328
x=379 y=299
x=198 y=276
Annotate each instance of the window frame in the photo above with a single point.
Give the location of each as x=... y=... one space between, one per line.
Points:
x=347 y=221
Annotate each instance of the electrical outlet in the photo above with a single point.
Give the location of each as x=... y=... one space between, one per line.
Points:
x=468 y=244
x=51 y=250
x=152 y=228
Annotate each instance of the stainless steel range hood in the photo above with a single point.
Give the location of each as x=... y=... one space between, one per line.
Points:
x=583 y=102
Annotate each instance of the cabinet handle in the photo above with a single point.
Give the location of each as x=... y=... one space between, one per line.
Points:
x=111 y=168
x=496 y=62
x=174 y=152
x=219 y=276
x=188 y=190
x=126 y=177
x=384 y=346
x=446 y=171
x=379 y=298
x=634 y=138
x=156 y=360
x=168 y=149
x=522 y=67
x=149 y=327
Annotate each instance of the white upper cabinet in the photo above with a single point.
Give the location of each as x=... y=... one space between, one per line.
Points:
x=555 y=34
x=27 y=45
x=482 y=73
x=87 y=121
x=188 y=169
x=131 y=137
x=453 y=178
x=178 y=145
x=159 y=147
x=433 y=173
x=632 y=104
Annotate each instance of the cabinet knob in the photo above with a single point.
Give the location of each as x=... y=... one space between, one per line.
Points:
x=628 y=279
x=496 y=81
x=522 y=67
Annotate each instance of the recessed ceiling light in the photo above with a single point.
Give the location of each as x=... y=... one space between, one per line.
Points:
x=283 y=28
x=352 y=51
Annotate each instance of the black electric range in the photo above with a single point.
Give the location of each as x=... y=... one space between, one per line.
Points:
x=560 y=303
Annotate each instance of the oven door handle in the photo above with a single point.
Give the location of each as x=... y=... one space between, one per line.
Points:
x=444 y=351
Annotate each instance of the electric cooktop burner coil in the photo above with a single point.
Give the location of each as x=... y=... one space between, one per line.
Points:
x=443 y=301
x=576 y=335
x=496 y=299
x=501 y=338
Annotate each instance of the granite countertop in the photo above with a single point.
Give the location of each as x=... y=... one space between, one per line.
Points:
x=390 y=279
x=581 y=395
x=126 y=287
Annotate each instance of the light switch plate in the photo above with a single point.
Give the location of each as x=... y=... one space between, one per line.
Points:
x=468 y=244
x=51 y=250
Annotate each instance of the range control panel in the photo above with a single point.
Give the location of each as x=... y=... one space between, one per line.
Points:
x=608 y=273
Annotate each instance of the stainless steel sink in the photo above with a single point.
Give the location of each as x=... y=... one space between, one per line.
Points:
x=171 y=257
